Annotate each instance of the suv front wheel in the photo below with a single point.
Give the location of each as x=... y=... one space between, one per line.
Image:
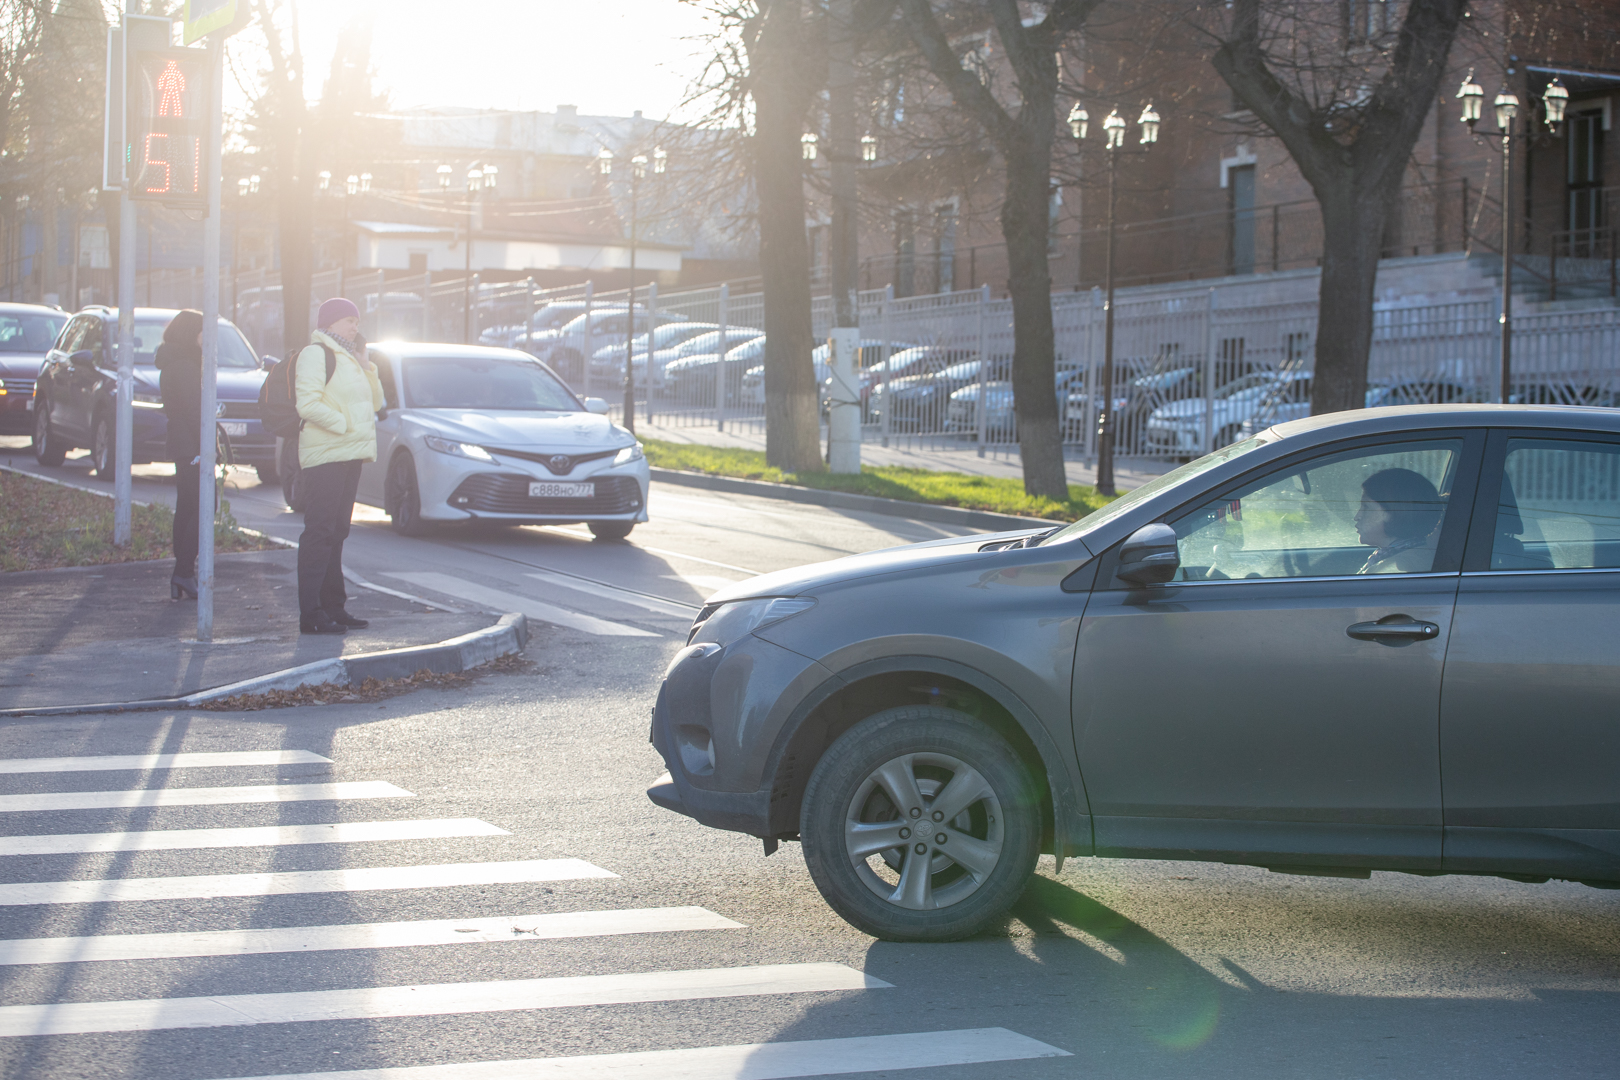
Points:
x=920 y=824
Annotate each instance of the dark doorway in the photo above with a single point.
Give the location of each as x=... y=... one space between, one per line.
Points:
x=1585 y=180
x=1240 y=192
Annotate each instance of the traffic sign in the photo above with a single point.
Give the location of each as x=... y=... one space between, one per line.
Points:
x=203 y=17
x=168 y=126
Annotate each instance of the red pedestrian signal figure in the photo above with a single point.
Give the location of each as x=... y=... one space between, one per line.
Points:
x=170 y=85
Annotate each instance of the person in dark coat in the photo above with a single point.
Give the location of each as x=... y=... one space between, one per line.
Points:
x=179 y=363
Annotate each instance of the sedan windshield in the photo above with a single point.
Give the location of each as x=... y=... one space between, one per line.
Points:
x=483 y=384
x=1153 y=487
x=28 y=333
x=234 y=351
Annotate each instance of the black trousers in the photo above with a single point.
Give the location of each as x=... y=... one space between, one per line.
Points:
x=185 y=518
x=328 y=505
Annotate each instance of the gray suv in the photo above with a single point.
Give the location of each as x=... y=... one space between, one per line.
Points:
x=1264 y=657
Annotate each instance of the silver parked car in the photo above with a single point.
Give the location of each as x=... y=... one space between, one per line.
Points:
x=475 y=433
x=1263 y=657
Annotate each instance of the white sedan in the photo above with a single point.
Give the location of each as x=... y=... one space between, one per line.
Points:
x=489 y=434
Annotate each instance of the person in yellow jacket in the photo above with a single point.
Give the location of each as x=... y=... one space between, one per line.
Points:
x=338 y=436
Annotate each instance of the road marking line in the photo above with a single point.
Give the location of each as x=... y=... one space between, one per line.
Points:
x=363 y=879
x=619 y=596
x=370 y=1003
x=395 y=935
x=162 y=761
x=497 y=600
x=750 y=1061
x=200 y=796
x=343 y=832
x=694 y=558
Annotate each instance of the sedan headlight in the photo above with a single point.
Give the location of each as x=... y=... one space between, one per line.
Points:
x=725 y=623
x=147 y=401
x=458 y=449
x=630 y=453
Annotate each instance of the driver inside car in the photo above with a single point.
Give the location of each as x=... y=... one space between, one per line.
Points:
x=1399 y=519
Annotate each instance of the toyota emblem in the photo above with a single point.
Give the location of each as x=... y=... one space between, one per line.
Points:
x=560 y=463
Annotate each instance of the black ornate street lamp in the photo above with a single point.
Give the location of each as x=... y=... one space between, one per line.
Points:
x=1506 y=109
x=1114 y=141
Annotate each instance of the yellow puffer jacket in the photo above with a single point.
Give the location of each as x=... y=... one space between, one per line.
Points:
x=340 y=417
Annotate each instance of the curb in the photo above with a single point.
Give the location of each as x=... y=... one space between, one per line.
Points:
x=509 y=635
x=843 y=500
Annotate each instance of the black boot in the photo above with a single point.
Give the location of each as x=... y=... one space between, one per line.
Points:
x=320 y=622
x=344 y=618
x=183 y=588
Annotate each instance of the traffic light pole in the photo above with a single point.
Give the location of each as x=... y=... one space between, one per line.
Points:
x=124 y=403
x=210 y=345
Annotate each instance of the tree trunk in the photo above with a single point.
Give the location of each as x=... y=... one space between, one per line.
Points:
x=1024 y=224
x=792 y=421
x=1352 y=239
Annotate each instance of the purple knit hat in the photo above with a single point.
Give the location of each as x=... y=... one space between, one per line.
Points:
x=335 y=309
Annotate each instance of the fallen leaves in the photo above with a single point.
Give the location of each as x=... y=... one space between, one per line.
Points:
x=370 y=689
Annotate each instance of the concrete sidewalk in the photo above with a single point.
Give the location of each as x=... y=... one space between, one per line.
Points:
x=1128 y=472
x=111 y=633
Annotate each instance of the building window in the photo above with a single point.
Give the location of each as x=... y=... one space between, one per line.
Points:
x=1367 y=20
x=944 y=248
x=905 y=253
x=419 y=262
x=1240 y=198
x=1585 y=177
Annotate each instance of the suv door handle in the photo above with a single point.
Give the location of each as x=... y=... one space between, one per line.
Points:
x=1372 y=631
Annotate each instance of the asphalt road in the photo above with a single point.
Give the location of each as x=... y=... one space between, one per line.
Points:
x=521 y=793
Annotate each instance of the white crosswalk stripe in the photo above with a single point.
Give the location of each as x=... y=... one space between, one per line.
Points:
x=199 y=796
x=672 y=608
x=343 y=832
x=114 y=890
x=749 y=1061
x=224 y=759
x=497 y=600
x=549 y=927
x=371 y=1003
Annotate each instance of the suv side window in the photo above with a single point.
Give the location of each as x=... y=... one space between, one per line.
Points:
x=91 y=339
x=71 y=333
x=1559 y=507
x=1375 y=510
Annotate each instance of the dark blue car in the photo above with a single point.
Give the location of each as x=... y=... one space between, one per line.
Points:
x=26 y=334
x=75 y=397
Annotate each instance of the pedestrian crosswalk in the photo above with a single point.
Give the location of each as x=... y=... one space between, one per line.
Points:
x=468 y=934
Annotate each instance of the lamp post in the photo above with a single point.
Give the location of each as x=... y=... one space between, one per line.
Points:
x=1114 y=141
x=1506 y=109
x=478 y=179
x=638 y=170
x=247 y=187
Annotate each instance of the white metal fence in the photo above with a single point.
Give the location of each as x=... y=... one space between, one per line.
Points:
x=936 y=369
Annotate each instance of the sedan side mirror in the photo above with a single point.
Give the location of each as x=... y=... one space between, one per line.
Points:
x=1149 y=556
x=266 y=362
x=596 y=405
x=82 y=358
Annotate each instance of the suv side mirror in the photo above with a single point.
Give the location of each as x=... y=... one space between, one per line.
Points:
x=596 y=405
x=266 y=362
x=82 y=358
x=1149 y=556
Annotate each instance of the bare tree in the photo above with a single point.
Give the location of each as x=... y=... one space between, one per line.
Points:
x=1348 y=102
x=1022 y=134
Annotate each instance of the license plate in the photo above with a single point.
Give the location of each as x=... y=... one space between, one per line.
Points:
x=547 y=490
x=235 y=431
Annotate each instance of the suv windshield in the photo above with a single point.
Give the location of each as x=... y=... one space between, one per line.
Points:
x=1153 y=487
x=234 y=351
x=483 y=384
x=28 y=333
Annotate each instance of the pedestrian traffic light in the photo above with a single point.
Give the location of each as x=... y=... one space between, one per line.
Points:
x=168 y=121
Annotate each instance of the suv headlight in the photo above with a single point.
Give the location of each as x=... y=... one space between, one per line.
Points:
x=458 y=449
x=725 y=623
x=630 y=453
x=146 y=401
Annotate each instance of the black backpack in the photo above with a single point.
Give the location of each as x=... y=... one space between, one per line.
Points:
x=278 y=396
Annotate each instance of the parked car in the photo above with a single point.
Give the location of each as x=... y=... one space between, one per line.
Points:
x=607 y=363
x=1000 y=423
x=917 y=360
x=482 y=434
x=920 y=402
x=1177 y=428
x=27 y=332
x=1251 y=660
x=696 y=379
x=552 y=316
x=75 y=399
x=1414 y=392
x=564 y=349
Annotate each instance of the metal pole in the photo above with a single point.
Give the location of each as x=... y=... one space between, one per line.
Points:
x=984 y=364
x=630 y=318
x=719 y=388
x=652 y=324
x=584 y=367
x=427 y=305
x=466 y=281
x=1105 y=415
x=528 y=327
x=124 y=420
x=210 y=346
x=844 y=342
x=1507 y=263
x=1209 y=373
x=888 y=353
